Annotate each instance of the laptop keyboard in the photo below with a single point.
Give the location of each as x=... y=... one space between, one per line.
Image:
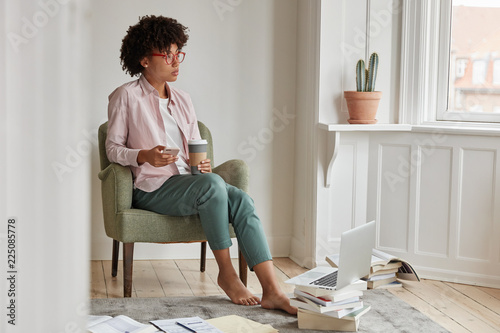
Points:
x=329 y=280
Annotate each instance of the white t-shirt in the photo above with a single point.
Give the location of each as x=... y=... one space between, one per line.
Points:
x=174 y=137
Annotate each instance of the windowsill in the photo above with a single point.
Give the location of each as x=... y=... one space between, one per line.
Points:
x=336 y=129
x=457 y=128
x=442 y=127
x=364 y=128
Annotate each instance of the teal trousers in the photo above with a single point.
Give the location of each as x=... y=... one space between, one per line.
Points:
x=217 y=204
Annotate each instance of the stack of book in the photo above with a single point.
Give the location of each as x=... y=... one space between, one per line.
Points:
x=337 y=310
x=385 y=270
x=382 y=274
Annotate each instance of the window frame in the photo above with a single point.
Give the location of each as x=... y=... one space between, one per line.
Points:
x=425 y=68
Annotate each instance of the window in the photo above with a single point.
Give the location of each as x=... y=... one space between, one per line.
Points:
x=461 y=66
x=479 y=72
x=476 y=108
x=453 y=74
x=496 y=72
x=475 y=30
x=459 y=98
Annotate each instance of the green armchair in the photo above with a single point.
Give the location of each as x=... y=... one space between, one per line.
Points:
x=128 y=225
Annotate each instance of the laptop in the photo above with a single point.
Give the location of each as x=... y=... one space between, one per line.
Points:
x=354 y=261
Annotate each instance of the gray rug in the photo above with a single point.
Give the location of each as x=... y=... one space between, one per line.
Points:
x=388 y=313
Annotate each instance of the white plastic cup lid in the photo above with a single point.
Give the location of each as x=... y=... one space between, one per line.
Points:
x=197 y=142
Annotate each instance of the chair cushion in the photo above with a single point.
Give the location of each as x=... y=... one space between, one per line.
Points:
x=137 y=225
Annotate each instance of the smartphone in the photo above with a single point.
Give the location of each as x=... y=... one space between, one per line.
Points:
x=171 y=151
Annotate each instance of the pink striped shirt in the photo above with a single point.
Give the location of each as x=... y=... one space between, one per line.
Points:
x=135 y=123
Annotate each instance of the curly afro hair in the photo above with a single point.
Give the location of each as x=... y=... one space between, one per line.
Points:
x=152 y=32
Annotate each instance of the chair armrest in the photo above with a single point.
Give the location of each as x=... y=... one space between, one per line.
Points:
x=117 y=187
x=234 y=172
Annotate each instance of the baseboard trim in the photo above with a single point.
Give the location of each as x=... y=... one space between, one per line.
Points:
x=482 y=280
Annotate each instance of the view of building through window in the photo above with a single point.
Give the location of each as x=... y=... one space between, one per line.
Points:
x=475 y=56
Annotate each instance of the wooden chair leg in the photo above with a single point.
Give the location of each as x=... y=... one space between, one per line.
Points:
x=242 y=263
x=203 y=256
x=128 y=260
x=114 y=259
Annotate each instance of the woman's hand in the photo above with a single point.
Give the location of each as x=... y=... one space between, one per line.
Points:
x=205 y=166
x=156 y=157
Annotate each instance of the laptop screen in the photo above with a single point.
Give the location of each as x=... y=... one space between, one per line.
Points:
x=355 y=254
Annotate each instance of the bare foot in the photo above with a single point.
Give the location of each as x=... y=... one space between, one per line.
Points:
x=236 y=290
x=278 y=301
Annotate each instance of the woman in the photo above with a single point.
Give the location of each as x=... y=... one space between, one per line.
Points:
x=147 y=115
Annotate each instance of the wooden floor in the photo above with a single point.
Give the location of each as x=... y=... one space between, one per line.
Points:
x=457 y=307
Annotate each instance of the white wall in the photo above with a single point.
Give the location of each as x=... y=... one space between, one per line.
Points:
x=240 y=73
x=344 y=40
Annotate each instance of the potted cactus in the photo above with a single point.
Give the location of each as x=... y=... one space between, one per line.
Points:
x=363 y=103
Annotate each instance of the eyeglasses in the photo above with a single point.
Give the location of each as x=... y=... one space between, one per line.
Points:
x=169 y=58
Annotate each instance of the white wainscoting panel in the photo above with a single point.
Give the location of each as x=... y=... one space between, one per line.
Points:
x=432 y=220
x=393 y=196
x=476 y=205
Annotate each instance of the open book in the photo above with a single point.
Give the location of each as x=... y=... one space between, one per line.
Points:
x=185 y=325
x=227 y=324
x=237 y=324
x=405 y=272
x=384 y=261
x=118 y=324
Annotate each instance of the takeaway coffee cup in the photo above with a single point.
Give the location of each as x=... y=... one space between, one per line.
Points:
x=197 y=153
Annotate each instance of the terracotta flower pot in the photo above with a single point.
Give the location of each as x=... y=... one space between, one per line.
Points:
x=362 y=106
